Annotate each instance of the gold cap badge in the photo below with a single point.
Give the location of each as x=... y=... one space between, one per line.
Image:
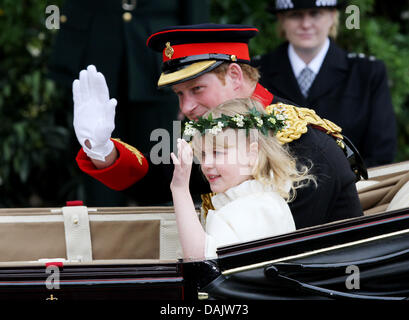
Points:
x=169 y=50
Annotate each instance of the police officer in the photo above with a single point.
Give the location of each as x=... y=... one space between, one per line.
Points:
x=206 y=65
x=347 y=88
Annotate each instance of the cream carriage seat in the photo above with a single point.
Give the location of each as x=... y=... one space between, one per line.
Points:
x=386 y=189
x=401 y=198
x=78 y=233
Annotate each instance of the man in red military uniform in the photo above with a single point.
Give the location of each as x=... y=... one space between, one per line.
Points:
x=207 y=65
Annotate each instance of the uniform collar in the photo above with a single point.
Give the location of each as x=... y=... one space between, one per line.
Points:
x=262 y=95
x=315 y=64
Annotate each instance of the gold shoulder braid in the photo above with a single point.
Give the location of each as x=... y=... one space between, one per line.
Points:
x=135 y=151
x=298 y=119
x=207 y=203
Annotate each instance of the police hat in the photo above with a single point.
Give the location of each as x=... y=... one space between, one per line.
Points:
x=287 y=5
x=190 y=51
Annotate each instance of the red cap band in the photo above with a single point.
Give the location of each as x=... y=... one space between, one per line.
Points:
x=240 y=50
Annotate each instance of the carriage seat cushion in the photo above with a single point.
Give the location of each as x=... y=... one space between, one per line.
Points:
x=401 y=198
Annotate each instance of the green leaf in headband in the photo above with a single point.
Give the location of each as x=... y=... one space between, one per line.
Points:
x=251 y=120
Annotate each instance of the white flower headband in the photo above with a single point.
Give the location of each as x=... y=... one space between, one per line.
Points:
x=275 y=122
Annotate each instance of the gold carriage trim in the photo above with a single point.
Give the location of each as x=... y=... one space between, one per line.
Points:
x=297 y=121
x=135 y=151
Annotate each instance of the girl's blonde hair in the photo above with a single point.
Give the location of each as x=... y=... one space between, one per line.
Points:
x=275 y=164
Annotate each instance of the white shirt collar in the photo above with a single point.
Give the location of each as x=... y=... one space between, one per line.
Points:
x=298 y=65
x=244 y=189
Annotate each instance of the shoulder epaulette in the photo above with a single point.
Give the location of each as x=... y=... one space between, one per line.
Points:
x=297 y=121
x=132 y=149
x=207 y=203
x=354 y=55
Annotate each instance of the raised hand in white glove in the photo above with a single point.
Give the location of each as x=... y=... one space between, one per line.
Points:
x=94 y=113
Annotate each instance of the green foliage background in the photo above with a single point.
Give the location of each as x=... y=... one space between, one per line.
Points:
x=36 y=167
x=37 y=143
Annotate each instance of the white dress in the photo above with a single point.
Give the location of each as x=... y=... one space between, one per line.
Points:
x=246 y=212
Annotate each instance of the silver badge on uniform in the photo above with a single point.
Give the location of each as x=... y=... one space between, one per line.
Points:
x=325 y=3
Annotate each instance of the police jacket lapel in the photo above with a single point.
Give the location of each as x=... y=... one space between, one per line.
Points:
x=277 y=73
x=331 y=75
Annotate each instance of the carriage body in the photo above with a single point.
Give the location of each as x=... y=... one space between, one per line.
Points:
x=132 y=254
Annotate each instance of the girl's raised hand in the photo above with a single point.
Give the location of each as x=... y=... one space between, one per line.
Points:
x=183 y=165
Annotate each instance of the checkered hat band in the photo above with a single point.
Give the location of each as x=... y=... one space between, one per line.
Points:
x=240 y=50
x=284 y=4
x=304 y=4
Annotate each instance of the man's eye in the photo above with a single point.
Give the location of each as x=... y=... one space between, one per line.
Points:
x=197 y=89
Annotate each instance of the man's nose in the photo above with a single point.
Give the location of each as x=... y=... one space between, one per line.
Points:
x=187 y=106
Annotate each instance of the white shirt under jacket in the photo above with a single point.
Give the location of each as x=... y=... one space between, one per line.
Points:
x=315 y=64
x=246 y=212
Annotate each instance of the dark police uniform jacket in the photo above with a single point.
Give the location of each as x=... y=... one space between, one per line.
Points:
x=350 y=89
x=334 y=198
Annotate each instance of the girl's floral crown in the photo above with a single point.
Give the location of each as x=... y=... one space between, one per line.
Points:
x=275 y=121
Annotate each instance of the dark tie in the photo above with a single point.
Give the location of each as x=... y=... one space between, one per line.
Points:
x=305 y=80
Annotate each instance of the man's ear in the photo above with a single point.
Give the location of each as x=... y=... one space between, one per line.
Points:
x=253 y=153
x=235 y=73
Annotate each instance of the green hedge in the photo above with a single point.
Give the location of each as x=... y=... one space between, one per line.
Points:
x=37 y=143
x=36 y=168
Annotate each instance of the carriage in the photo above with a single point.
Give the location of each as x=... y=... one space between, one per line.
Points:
x=131 y=253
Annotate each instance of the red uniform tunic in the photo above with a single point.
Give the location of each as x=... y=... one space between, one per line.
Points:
x=130 y=167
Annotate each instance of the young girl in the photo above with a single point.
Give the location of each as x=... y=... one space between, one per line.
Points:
x=251 y=173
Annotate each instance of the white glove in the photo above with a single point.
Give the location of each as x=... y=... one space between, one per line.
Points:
x=94 y=113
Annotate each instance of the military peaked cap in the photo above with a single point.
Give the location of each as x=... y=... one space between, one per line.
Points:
x=192 y=50
x=287 y=5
